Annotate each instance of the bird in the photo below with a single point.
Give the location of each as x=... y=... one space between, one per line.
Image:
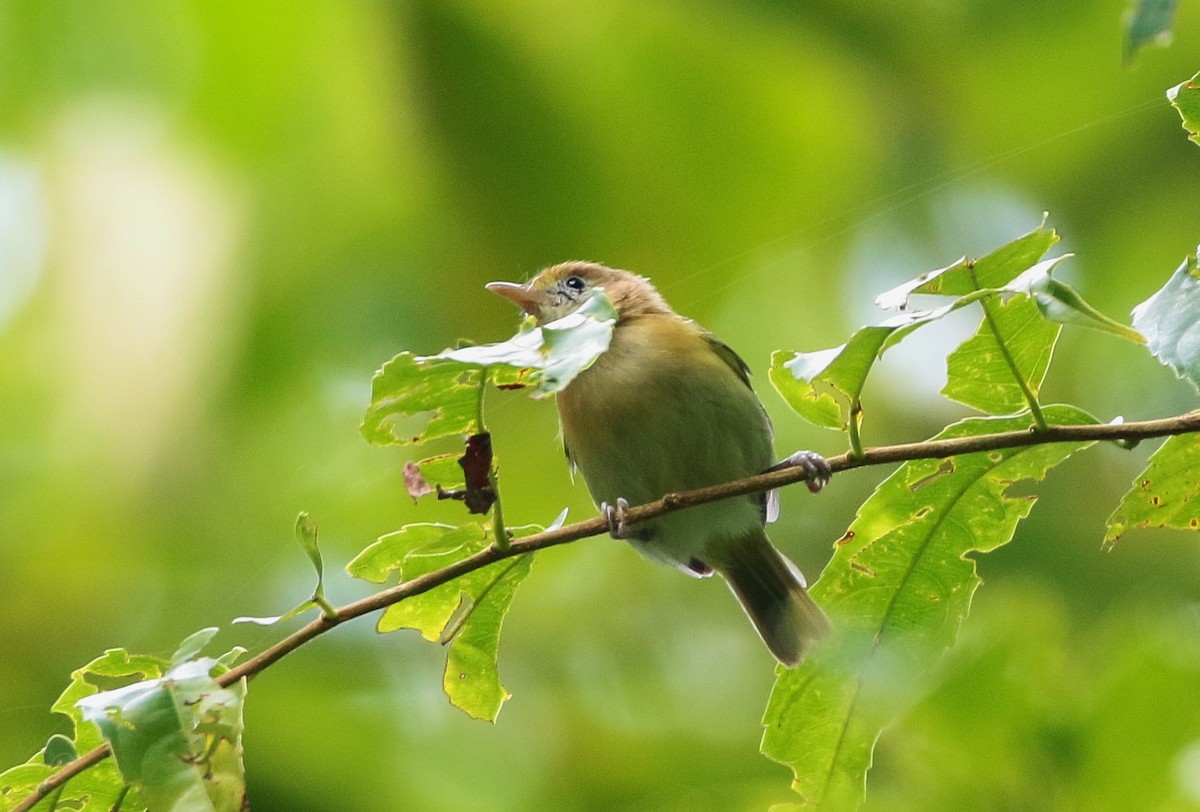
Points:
x=669 y=407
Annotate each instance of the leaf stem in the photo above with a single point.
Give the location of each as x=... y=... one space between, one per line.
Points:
x=499 y=531
x=856 y=446
x=328 y=610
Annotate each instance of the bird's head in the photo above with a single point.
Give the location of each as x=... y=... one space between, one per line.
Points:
x=561 y=289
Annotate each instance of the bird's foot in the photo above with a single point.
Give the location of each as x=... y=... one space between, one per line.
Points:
x=615 y=517
x=817 y=472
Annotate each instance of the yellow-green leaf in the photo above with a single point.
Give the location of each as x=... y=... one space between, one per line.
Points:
x=1166 y=494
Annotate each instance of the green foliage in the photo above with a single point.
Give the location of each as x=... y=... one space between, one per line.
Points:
x=176 y=735
x=900 y=583
x=306 y=535
x=466 y=612
x=1147 y=22
x=967 y=276
x=1186 y=99
x=178 y=738
x=472 y=680
x=100 y=787
x=528 y=134
x=897 y=589
x=980 y=371
x=998 y=371
x=825 y=386
x=1170 y=320
x=1166 y=494
x=450 y=384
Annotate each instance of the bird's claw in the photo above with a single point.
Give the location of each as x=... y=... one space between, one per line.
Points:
x=615 y=517
x=817 y=472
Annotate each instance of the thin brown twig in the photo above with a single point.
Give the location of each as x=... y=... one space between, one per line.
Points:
x=930 y=449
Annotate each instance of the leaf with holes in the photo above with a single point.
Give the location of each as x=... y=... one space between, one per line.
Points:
x=101 y=786
x=178 y=738
x=824 y=386
x=419 y=398
x=1166 y=494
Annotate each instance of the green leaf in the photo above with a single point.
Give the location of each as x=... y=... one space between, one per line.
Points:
x=178 y=738
x=980 y=371
x=175 y=735
x=966 y=276
x=574 y=342
x=271 y=620
x=430 y=612
x=426 y=476
x=823 y=386
x=897 y=589
x=414 y=549
x=114 y=666
x=408 y=387
x=553 y=353
x=1185 y=97
x=1060 y=303
x=1170 y=321
x=193 y=644
x=59 y=750
x=1166 y=494
x=472 y=678
x=448 y=385
x=467 y=611
x=306 y=535
x=1147 y=22
x=99 y=787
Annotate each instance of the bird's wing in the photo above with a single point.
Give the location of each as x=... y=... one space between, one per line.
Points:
x=770 y=499
x=726 y=354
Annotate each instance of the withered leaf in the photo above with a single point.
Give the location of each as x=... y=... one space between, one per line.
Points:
x=476 y=463
x=414 y=482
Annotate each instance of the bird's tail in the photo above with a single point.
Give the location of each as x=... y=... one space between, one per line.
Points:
x=771 y=590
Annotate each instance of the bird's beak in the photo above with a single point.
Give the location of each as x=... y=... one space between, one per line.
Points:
x=528 y=300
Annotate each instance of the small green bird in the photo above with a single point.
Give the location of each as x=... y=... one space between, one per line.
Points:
x=668 y=407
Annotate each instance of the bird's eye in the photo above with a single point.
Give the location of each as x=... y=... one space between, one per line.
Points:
x=575 y=283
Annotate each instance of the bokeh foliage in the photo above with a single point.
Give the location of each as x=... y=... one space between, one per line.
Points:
x=218 y=220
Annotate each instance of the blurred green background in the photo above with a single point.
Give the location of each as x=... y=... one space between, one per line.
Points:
x=217 y=219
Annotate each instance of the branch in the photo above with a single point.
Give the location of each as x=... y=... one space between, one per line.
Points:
x=931 y=449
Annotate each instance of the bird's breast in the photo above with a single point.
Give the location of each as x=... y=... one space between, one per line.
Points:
x=661 y=411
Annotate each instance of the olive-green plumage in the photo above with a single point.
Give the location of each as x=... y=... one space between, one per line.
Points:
x=668 y=407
